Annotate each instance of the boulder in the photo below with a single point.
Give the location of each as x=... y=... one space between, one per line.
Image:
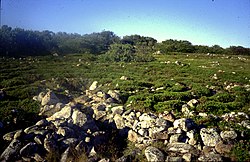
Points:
x=132 y=136
x=49 y=99
x=210 y=136
x=119 y=122
x=182 y=148
x=210 y=157
x=172 y=158
x=79 y=118
x=184 y=124
x=154 y=154
x=29 y=150
x=117 y=110
x=114 y=94
x=65 y=113
x=228 y=135
x=223 y=148
x=11 y=151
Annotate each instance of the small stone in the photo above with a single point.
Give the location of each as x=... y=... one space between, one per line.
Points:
x=93 y=86
x=132 y=136
x=154 y=154
x=192 y=103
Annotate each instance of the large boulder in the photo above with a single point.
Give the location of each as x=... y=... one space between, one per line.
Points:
x=210 y=136
x=49 y=99
x=154 y=154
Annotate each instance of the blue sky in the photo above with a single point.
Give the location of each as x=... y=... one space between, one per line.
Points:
x=204 y=22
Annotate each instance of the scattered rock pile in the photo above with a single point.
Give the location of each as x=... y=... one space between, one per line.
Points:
x=84 y=124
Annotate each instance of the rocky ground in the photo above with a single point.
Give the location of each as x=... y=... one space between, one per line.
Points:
x=82 y=128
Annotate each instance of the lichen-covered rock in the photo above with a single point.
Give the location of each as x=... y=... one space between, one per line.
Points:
x=49 y=99
x=228 y=135
x=210 y=136
x=182 y=148
x=117 y=110
x=154 y=154
x=223 y=148
x=132 y=136
x=79 y=118
x=210 y=157
x=119 y=122
x=65 y=113
x=184 y=124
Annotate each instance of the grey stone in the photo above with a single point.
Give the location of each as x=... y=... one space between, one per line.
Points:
x=119 y=121
x=93 y=86
x=192 y=103
x=154 y=154
x=182 y=148
x=79 y=118
x=132 y=136
x=187 y=157
x=42 y=122
x=65 y=113
x=184 y=124
x=114 y=94
x=66 y=155
x=175 y=159
x=10 y=136
x=49 y=99
x=11 y=151
x=177 y=138
x=223 y=148
x=117 y=110
x=40 y=96
x=210 y=136
x=228 y=135
x=210 y=157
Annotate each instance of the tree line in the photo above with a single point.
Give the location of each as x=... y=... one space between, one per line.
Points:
x=16 y=42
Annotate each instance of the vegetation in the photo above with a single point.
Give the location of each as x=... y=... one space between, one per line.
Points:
x=154 y=82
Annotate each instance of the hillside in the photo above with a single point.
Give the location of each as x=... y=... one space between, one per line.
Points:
x=180 y=98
